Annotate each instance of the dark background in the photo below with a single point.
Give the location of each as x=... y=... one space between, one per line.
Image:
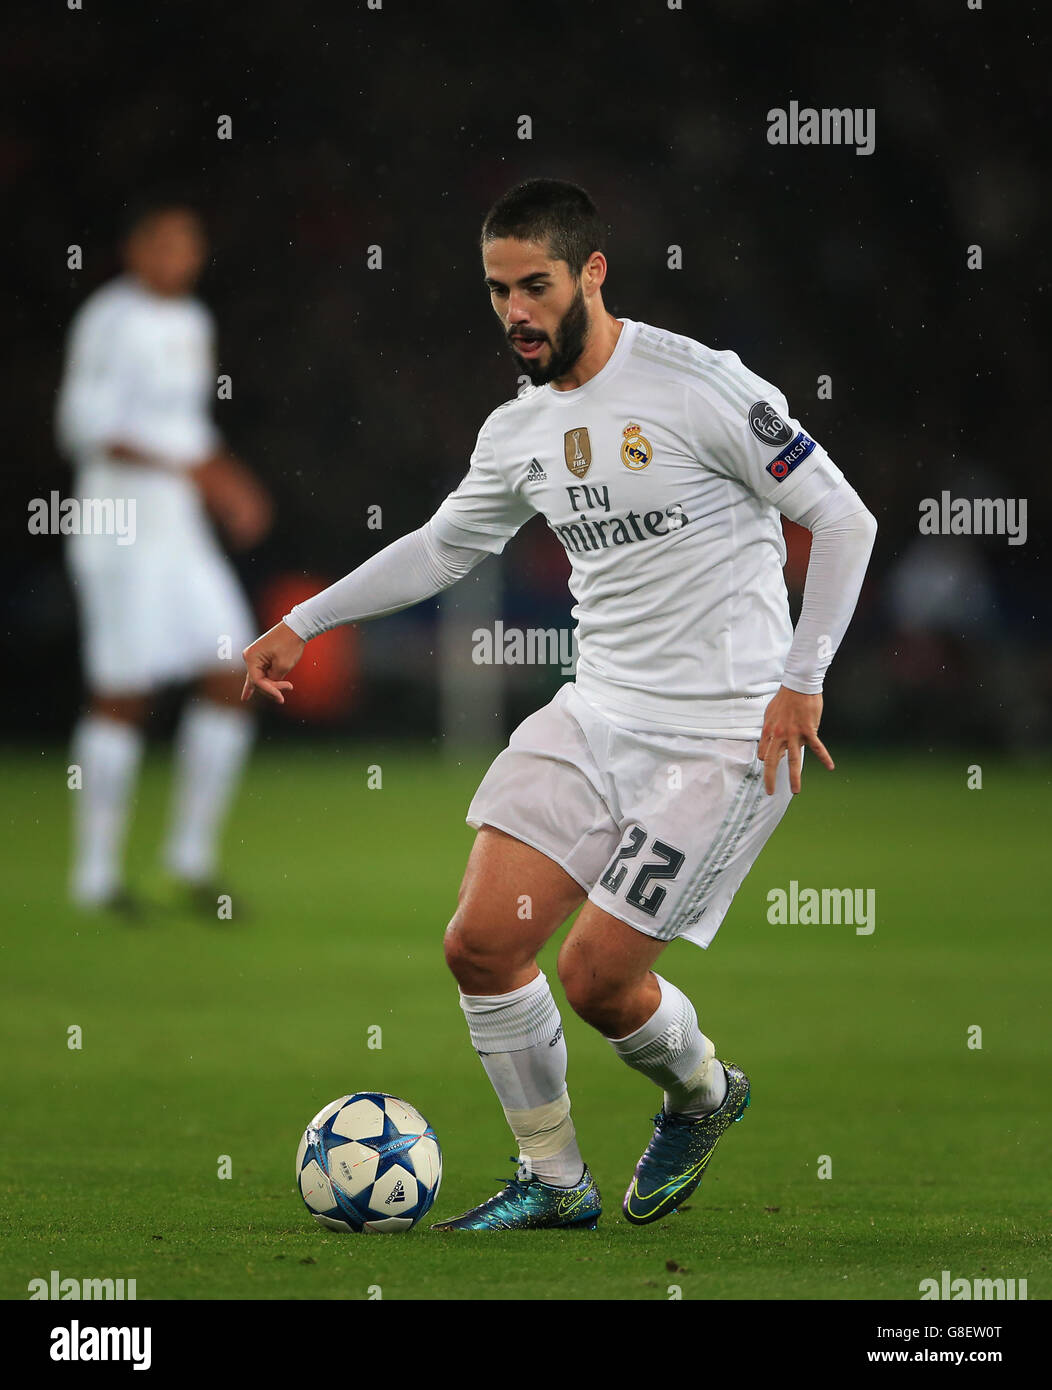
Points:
x=398 y=127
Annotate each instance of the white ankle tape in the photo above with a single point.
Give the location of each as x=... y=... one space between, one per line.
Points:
x=701 y=1077
x=544 y=1131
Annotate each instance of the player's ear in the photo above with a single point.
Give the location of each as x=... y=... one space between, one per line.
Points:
x=594 y=272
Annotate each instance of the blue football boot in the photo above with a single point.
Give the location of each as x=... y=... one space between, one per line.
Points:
x=676 y=1157
x=527 y=1204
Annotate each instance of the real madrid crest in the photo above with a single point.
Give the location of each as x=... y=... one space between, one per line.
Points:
x=577 y=448
x=636 y=452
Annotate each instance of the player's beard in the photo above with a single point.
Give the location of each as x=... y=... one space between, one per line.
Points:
x=570 y=339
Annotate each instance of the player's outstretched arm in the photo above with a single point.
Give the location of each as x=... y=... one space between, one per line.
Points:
x=407 y=571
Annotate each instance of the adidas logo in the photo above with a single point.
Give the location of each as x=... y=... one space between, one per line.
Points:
x=397 y=1194
x=535 y=473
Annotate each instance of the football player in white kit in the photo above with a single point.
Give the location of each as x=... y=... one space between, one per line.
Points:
x=647 y=787
x=164 y=604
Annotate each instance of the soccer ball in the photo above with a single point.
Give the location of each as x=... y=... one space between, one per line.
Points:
x=368 y=1162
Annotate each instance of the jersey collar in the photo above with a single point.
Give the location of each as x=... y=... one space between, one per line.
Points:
x=609 y=368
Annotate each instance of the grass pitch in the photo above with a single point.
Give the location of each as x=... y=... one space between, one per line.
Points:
x=203 y=1040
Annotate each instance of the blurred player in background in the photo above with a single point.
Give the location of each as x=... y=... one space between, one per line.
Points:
x=648 y=786
x=134 y=417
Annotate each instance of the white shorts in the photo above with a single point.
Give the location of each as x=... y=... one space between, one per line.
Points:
x=155 y=614
x=659 y=829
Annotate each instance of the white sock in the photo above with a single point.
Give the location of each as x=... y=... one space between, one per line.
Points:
x=211 y=744
x=672 y=1051
x=519 y=1037
x=108 y=753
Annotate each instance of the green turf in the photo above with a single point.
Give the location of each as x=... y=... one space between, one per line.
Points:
x=204 y=1040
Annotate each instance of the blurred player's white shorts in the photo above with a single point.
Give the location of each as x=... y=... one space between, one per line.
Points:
x=659 y=829
x=164 y=608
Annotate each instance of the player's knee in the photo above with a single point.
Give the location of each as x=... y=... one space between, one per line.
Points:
x=455 y=948
x=589 y=992
x=476 y=964
x=121 y=709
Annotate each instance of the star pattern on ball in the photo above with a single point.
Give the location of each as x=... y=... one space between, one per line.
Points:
x=390 y=1145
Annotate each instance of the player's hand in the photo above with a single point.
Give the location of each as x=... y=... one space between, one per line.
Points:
x=236 y=498
x=269 y=659
x=121 y=452
x=790 y=725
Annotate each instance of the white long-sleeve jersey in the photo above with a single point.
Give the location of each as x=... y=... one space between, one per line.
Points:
x=663 y=477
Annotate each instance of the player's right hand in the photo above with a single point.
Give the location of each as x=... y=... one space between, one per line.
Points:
x=269 y=659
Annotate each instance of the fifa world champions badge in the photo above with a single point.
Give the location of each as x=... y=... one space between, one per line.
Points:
x=577 y=450
x=636 y=452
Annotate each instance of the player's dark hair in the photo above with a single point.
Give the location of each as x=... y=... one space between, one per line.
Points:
x=140 y=211
x=559 y=215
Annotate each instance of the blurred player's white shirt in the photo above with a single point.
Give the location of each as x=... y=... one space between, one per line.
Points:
x=663 y=477
x=140 y=370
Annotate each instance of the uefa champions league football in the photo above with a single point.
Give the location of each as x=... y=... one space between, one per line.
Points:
x=368 y=1163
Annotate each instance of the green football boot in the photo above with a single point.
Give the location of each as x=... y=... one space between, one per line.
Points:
x=206 y=900
x=121 y=908
x=676 y=1157
x=527 y=1204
